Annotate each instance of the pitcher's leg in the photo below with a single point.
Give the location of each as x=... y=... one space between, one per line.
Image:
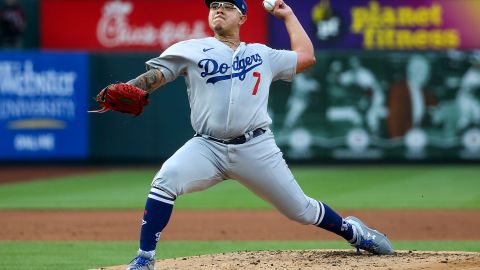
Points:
x=193 y=167
x=269 y=176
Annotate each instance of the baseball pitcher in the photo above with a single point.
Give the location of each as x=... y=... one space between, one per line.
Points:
x=228 y=84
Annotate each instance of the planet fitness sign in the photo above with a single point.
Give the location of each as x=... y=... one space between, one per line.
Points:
x=386 y=24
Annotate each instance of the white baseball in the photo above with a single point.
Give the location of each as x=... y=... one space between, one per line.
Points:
x=269 y=5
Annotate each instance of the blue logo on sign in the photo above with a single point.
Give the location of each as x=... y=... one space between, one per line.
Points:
x=240 y=68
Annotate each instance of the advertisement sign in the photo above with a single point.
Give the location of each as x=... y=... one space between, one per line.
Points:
x=43 y=104
x=385 y=24
x=382 y=105
x=133 y=24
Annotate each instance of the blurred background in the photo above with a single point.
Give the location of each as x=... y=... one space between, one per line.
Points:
x=395 y=81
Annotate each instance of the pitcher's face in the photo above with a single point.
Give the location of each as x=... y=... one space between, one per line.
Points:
x=225 y=17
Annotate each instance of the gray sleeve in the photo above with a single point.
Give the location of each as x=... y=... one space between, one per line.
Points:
x=172 y=62
x=283 y=64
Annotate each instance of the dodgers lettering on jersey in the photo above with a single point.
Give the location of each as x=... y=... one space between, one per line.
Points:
x=240 y=68
x=228 y=90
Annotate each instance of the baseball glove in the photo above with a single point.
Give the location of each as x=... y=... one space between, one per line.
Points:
x=122 y=97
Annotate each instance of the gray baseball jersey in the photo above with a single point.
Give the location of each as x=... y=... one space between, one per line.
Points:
x=228 y=94
x=228 y=91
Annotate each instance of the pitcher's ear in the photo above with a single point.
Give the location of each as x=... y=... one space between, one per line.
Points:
x=243 y=19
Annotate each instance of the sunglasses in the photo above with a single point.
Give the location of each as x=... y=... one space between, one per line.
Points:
x=225 y=5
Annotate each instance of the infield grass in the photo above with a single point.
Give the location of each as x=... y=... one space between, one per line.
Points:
x=343 y=187
x=27 y=255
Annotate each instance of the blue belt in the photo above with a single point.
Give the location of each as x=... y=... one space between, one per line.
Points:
x=238 y=140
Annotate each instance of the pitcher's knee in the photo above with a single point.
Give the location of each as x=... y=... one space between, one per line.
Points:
x=167 y=180
x=167 y=190
x=300 y=218
x=305 y=216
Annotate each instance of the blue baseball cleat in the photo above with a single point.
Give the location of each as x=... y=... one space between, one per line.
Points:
x=370 y=240
x=144 y=261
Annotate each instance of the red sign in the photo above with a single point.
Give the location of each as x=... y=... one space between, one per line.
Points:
x=134 y=24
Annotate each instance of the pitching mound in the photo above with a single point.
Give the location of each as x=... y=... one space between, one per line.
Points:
x=321 y=259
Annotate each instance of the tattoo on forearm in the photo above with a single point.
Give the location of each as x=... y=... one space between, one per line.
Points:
x=148 y=81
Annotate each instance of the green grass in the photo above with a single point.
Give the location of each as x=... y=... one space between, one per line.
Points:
x=343 y=187
x=26 y=255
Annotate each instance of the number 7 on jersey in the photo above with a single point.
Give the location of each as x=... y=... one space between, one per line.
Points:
x=257 y=75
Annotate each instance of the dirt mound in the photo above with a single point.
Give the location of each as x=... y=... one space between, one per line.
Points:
x=322 y=259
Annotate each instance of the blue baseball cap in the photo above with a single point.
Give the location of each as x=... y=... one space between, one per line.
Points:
x=241 y=4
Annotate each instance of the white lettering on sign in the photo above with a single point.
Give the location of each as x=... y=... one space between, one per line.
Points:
x=33 y=143
x=25 y=92
x=114 y=30
x=20 y=79
x=44 y=108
